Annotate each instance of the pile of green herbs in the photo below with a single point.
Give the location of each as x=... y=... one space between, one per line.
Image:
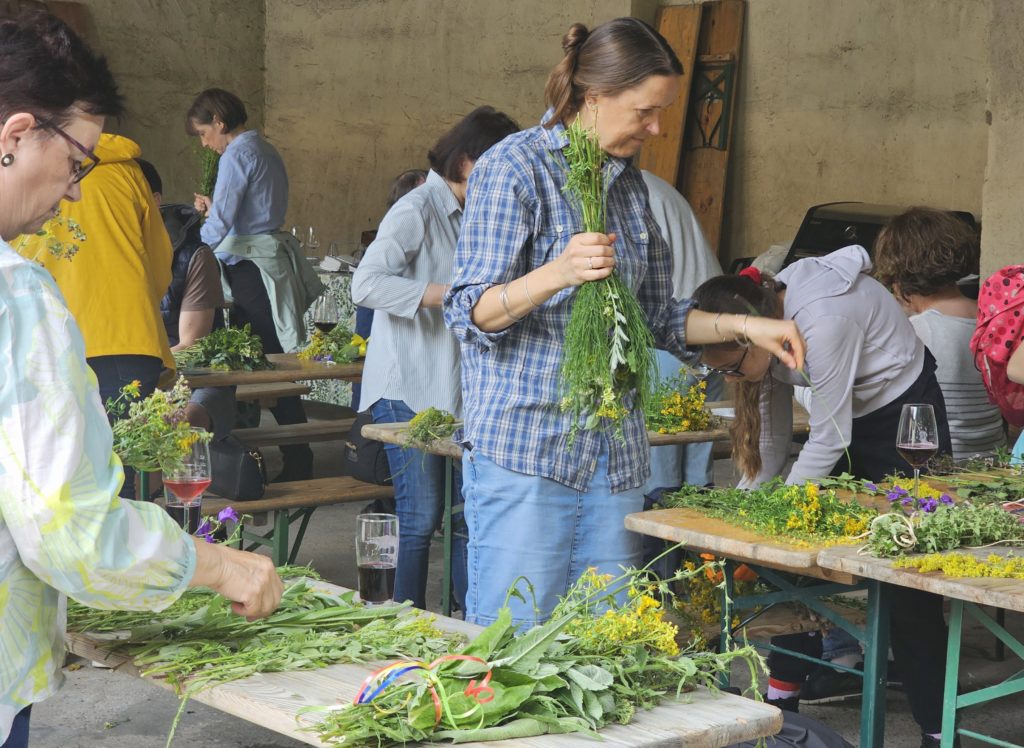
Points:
x=429 y=426
x=558 y=677
x=199 y=641
x=805 y=513
x=226 y=349
x=944 y=528
x=209 y=161
x=609 y=368
x=338 y=346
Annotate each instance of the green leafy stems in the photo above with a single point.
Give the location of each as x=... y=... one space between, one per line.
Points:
x=226 y=349
x=609 y=367
x=209 y=160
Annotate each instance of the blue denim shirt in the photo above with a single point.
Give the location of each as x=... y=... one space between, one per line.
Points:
x=517 y=219
x=251 y=194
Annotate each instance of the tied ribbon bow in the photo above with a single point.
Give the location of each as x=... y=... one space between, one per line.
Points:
x=480 y=690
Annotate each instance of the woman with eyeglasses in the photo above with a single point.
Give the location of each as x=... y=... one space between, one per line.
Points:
x=63 y=531
x=864 y=362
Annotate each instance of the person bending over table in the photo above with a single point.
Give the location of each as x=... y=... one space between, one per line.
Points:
x=863 y=363
x=63 y=529
x=535 y=506
x=271 y=284
x=412 y=362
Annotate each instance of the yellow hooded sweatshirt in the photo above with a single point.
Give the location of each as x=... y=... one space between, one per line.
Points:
x=114 y=282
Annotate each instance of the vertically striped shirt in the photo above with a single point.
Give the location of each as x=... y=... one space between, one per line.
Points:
x=975 y=424
x=518 y=219
x=412 y=356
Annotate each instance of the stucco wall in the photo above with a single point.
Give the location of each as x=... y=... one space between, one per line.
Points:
x=877 y=100
x=358 y=91
x=163 y=54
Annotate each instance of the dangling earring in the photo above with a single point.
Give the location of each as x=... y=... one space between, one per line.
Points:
x=7 y=159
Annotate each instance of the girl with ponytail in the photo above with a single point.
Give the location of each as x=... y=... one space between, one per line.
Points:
x=864 y=362
x=537 y=504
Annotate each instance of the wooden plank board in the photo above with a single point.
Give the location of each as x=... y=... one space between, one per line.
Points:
x=700 y=719
x=1002 y=593
x=680 y=25
x=704 y=169
x=707 y=534
x=287 y=368
x=304 y=493
x=296 y=433
x=267 y=395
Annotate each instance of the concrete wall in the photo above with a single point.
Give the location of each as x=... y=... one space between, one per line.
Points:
x=359 y=91
x=164 y=53
x=877 y=100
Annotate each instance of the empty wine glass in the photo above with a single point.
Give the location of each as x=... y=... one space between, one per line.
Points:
x=193 y=476
x=917 y=440
x=312 y=241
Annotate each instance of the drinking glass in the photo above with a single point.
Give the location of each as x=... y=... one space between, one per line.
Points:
x=188 y=481
x=312 y=241
x=177 y=509
x=917 y=440
x=326 y=312
x=376 y=556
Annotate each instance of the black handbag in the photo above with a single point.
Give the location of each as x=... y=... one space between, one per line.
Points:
x=365 y=459
x=238 y=471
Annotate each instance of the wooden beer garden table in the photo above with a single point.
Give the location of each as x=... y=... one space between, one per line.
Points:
x=965 y=595
x=701 y=719
x=288 y=367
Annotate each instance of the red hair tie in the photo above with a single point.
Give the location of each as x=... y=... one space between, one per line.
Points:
x=753 y=273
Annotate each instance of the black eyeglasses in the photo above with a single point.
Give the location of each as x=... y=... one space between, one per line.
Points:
x=735 y=371
x=79 y=169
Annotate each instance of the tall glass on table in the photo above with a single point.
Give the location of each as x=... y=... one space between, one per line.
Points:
x=917 y=440
x=376 y=557
x=187 y=481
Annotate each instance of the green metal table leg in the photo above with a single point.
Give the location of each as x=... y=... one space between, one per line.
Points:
x=306 y=513
x=143 y=486
x=876 y=654
x=956 y=622
x=279 y=543
x=446 y=582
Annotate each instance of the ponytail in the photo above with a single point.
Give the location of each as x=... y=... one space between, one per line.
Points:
x=561 y=92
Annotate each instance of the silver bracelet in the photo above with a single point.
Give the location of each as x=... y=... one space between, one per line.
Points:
x=717 y=332
x=526 y=287
x=746 y=341
x=504 y=302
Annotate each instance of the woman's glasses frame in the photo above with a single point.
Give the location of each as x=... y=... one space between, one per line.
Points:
x=80 y=169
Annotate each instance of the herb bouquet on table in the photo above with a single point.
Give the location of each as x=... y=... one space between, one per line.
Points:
x=676 y=406
x=609 y=366
x=152 y=433
x=226 y=349
x=339 y=346
x=594 y=663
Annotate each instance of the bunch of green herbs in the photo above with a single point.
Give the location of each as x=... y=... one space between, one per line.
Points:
x=226 y=349
x=429 y=426
x=594 y=663
x=339 y=346
x=944 y=528
x=609 y=367
x=209 y=160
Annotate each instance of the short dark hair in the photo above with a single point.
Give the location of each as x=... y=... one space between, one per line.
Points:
x=469 y=138
x=405 y=183
x=215 y=102
x=616 y=56
x=156 y=184
x=46 y=69
x=924 y=250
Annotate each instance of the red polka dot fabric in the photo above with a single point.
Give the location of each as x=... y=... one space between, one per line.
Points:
x=1000 y=330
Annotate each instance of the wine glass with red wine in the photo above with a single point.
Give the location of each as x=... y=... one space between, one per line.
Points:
x=376 y=556
x=188 y=481
x=918 y=438
x=326 y=313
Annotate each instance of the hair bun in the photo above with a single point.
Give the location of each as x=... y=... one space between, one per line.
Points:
x=574 y=38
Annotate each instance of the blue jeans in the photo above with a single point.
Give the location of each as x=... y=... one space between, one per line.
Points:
x=534 y=527
x=418 y=479
x=18 y=737
x=113 y=373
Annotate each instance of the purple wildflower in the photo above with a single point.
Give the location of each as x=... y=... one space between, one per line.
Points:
x=227 y=513
x=946 y=499
x=870 y=486
x=929 y=505
x=906 y=501
x=898 y=493
x=205 y=531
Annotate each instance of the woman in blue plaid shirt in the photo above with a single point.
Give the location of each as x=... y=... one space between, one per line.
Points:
x=535 y=505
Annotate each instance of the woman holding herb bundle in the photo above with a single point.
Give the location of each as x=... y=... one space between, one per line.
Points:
x=63 y=530
x=270 y=283
x=412 y=362
x=864 y=362
x=546 y=483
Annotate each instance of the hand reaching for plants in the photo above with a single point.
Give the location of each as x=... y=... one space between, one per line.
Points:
x=779 y=337
x=248 y=580
x=202 y=203
x=587 y=257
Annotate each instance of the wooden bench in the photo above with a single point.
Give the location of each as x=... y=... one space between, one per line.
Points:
x=267 y=395
x=292 y=501
x=296 y=433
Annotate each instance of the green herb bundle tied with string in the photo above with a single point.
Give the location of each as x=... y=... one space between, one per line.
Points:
x=608 y=369
x=208 y=163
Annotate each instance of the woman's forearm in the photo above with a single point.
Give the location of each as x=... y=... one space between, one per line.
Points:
x=706 y=328
x=493 y=312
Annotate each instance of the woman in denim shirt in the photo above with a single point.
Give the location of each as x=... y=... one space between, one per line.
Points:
x=535 y=505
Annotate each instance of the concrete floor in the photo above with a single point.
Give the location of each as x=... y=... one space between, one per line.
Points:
x=104 y=707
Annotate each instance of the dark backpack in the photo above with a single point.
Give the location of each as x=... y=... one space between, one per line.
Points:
x=365 y=459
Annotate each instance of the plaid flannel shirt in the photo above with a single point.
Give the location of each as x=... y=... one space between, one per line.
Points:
x=517 y=219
